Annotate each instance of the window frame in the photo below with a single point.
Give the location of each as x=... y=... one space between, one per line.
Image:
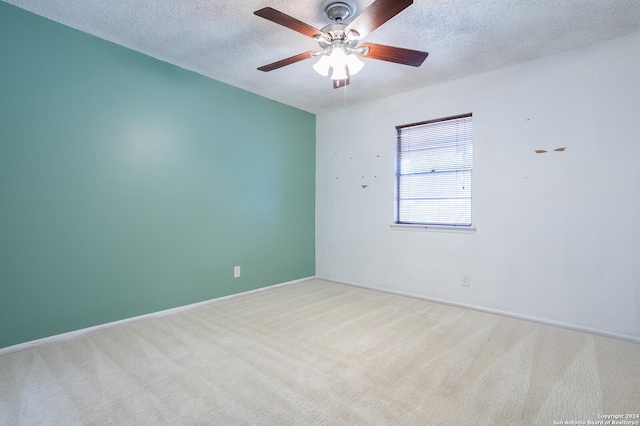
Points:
x=425 y=225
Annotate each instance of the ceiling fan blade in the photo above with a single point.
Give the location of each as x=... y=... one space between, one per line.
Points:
x=287 y=21
x=287 y=61
x=399 y=55
x=379 y=12
x=341 y=83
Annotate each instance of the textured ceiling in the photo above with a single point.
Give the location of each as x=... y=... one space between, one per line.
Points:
x=224 y=40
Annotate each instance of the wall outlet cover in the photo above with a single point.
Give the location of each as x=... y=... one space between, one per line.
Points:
x=466 y=280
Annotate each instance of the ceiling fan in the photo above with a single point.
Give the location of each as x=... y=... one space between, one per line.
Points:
x=339 y=51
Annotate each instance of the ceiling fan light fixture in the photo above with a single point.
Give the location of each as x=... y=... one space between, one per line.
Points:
x=338 y=54
x=354 y=64
x=342 y=62
x=323 y=65
x=338 y=58
x=339 y=73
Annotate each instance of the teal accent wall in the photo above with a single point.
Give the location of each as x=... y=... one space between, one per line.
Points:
x=129 y=185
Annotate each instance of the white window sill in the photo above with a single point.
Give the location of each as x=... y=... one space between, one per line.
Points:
x=433 y=228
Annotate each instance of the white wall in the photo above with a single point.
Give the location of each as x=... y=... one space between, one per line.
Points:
x=557 y=233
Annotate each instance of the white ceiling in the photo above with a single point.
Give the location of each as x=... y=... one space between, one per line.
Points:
x=224 y=40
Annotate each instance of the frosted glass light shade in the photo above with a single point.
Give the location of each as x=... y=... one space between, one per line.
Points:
x=323 y=65
x=339 y=73
x=354 y=64
x=338 y=64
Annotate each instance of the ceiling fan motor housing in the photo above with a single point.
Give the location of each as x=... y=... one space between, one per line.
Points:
x=339 y=11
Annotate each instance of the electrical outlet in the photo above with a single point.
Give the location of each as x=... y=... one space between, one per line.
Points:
x=466 y=280
x=236 y=272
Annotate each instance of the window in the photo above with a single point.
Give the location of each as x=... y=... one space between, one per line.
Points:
x=434 y=166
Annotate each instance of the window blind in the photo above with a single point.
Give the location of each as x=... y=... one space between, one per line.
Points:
x=434 y=168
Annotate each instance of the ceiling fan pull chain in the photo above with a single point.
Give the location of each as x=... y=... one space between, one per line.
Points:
x=345 y=95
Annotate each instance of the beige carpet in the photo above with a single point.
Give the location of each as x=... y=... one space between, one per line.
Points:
x=322 y=353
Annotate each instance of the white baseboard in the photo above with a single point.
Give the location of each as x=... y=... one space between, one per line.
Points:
x=84 y=331
x=574 y=327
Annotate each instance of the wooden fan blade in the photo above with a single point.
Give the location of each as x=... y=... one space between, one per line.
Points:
x=341 y=83
x=399 y=55
x=379 y=12
x=287 y=21
x=287 y=61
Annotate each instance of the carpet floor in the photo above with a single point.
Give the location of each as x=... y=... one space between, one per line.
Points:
x=317 y=352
